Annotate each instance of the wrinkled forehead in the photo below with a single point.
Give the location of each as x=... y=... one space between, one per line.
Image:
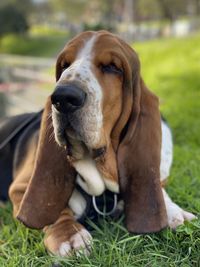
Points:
x=88 y=51
x=93 y=44
x=77 y=44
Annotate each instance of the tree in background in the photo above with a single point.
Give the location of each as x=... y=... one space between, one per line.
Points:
x=73 y=10
x=169 y=10
x=24 y=6
x=12 y=20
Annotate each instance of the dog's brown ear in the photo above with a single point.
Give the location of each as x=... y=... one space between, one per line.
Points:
x=52 y=180
x=58 y=67
x=139 y=163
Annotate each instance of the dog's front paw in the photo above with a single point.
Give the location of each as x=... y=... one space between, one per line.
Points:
x=66 y=241
x=176 y=215
x=80 y=243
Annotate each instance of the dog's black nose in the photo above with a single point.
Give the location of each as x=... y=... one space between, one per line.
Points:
x=68 y=98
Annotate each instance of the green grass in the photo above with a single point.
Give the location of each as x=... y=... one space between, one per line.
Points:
x=40 y=41
x=171 y=68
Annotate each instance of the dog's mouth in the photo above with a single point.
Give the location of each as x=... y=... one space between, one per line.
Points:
x=71 y=133
x=63 y=129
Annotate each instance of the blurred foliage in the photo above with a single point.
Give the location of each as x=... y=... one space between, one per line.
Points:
x=76 y=15
x=44 y=46
x=73 y=9
x=164 y=9
x=108 y=12
x=97 y=27
x=44 y=30
x=12 y=20
x=25 y=6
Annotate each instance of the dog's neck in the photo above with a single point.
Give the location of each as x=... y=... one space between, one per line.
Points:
x=91 y=179
x=91 y=175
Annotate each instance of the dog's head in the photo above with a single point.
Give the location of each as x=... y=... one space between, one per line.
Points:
x=92 y=74
x=102 y=107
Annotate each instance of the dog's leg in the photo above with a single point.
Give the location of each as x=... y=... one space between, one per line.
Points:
x=67 y=236
x=63 y=237
x=176 y=215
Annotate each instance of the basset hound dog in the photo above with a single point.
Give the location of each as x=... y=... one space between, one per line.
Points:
x=101 y=132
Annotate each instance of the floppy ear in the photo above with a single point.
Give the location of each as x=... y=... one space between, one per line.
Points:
x=139 y=164
x=58 y=69
x=52 y=180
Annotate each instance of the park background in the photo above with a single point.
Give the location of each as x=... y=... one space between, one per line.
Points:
x=166 y=35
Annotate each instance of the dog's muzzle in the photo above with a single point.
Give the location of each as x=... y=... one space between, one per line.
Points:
x=68 y=98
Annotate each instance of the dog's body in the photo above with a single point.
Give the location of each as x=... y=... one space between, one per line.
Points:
x=103 y=132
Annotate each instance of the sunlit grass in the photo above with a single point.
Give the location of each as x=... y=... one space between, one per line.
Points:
x=171 y=68
x=40 y=41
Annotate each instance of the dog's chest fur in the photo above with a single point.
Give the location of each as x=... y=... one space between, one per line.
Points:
x=91 y=180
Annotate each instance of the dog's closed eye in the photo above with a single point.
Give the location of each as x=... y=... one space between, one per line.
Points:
x=111 y=68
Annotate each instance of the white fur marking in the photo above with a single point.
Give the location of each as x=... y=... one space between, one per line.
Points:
x=176 y=215
x=77 y=203
x=166 y=151
x=90 y=115
x=64 y=249
x=93 y=183
x=111 y=185
x=56 y=125
x=80 y=243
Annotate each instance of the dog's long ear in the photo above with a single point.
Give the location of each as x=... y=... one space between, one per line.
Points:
x=139 y=162
x=52 y=180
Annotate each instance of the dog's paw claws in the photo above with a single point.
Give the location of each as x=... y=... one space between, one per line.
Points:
x=177 y=216
x=80 y=244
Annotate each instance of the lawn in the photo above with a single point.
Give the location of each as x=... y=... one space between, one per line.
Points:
x=39 y=41
x=171 y=68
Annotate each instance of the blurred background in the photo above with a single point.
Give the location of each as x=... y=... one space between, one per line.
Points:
x=32 y=32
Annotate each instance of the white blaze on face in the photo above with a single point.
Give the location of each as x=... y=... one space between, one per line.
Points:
x=90 y=115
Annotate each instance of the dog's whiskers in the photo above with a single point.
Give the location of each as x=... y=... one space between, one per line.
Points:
x=51 y=136
x=49 y=116
x=49 y=127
